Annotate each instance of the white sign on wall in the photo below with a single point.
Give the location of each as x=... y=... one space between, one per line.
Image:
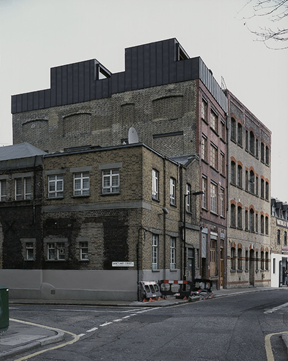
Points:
x=122 y=264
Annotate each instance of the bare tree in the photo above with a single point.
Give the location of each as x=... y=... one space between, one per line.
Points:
x=275 y=11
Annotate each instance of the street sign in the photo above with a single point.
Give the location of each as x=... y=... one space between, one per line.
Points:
x=122 y=264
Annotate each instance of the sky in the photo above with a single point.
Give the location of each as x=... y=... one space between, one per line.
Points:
x=36 y=35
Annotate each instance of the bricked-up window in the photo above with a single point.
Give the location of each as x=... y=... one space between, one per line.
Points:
x=172 y=191
x=239 y=138
x=266 y=261
x=110 y=181
x=222 y=202
x=239 y=217
x=23 y=188
x=266 y=226
x=223 y=130
x=3 y=190
x=214 y=121
x=267 y=155
x=29 y=251
x=204 y=110
x=222 y=164
x=213 y=156
x=233 y=216
x=204 y=151
x=213 y=198
x=239 y=176
x=188 y=197
x=155 y=251
x=56 y=251
x=172 y=252
x=204 y=189
x=239 y=259
x=81 y=184
x=55 y=186
x=233 y=129
x=233 y=258
x=155 y=184
x=83 y=246
x=233 y=172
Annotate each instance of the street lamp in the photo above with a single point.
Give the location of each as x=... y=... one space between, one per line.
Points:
x=184 y=233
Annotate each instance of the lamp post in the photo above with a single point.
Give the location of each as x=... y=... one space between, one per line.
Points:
x=184 y=230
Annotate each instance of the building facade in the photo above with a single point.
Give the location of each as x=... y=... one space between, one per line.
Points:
x=279 y=248
x=249 y=167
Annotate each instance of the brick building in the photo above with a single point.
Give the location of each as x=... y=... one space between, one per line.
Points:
x=249 y=168
x=279 y=247
x=174 y=103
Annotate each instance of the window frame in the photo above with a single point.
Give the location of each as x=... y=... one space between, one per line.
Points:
x=173 y=253
x=155 y=251
x=155 y=184
x=213 y=198
x=111 y=175
x=59 y=193
x=82 y=177
x=172 y=191
x=3 y=190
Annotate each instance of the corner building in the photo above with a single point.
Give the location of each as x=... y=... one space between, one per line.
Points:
x=249 y=168
x=174 y=103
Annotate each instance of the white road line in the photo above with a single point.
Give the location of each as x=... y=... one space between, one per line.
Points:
x=119 y=319
x=133 y=314
x=125 y=317
x=105 y=324
x=92 y=329
x=81 y=335
x=276 y=308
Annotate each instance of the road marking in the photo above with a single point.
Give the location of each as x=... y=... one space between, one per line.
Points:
x=119 y=319
x=125 y=317
x=105 y=324
x=276 y=308
x=92 y=329
x=81 y=335
x=75 y=339
x=268 y=347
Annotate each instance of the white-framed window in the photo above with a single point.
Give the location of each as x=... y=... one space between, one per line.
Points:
x=83 y=246
x=172 y=191
x=155 y=184
x=110 y=181
x=204 y=110
x=155 y=251
x=172 y=252
x=214 y=121
x=222 y=164
x=3 y=190
x=81 y=184
x=213 y=198
x=214 y=156
x=56 y=251
x=55 y=186
x=204 y=189
x=23 y=188
x=18 y=189
x=188 y=198
x=222 y=202
x=204 y=152
x=29 y=251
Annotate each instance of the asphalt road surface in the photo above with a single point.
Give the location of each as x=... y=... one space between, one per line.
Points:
x=226 y=328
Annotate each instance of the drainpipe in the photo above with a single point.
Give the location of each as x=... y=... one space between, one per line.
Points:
x=164 y=217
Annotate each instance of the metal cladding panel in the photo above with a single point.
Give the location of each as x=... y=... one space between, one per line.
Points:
x=153 y=65
x=53 y=87
x=128 y=69
x=30 y=101
x=121 y=81
x=165 y=62
x=13 y=104
x=47 y=97
x=195 y=68
x=75 y=83
x=24 y=102
x=19 y=102
x=180 y=71
x=41 y=99
x=134 y=68
x=86 y=81
x=159 y=66
x=35 y=100
x=146 y=66
x=58 y=86
x=99 y=90
x=105 y=88
x=64 y=85
x=92 y=72
x=140 y=67
x=81 y=81
x=69 y=84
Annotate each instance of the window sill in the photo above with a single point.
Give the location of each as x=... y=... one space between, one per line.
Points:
x=173 y=205
x=52 y=198
x=155 y=270
x=215 y=214
x=205 y=209
x=214 y=131
x=223 y=140
x=233 y=270
x=156 y=199
x=239 y=270
x=55 y=260
x=81 y=196
x=214 y=169
x=109 y=194
x=205 y=121
x=205 y=161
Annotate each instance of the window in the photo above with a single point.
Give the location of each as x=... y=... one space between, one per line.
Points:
x=213 y=198
x=83 y=246
x=81 y=184
x=252 y=143
x=239 y=259
x=204 y=151
x=172 y=191
x=262 y=188
x=204 y=110
x=251 y=220
x=233 y=258
x=285 y=238
x=110 y=181
x=266 y=261
x=233 y=129
x=188 y=198
x=246 y=261
x=3 y=190
x=155 y=244
x=246 y=180
x=266 y=225
x=256 y=261
x=222 y=164
x=233 y=172
x=56 y=251
x=257 y=148
x=239 y=176
x=256 y=223
x=262 y=152
x=257 y=186
x=23 y=188
x=239 y=217
x=29 y=251
x=267 y=155
x=233 y=216
x=222 y=202
x=213 y=258
x=204 y=189
x=239 y=139
x=246 y=220
x=251 y=181
x=223 y=130
x=262 y=224
x=55 y=186
x=247 y=140
x=172 y=252
x=214 y=121
x=214 y=156
x=267 y=191
x=278 y=236
x=262 y=260
x=155 y=184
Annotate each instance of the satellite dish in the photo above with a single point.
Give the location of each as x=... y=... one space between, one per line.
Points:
x=132 y=136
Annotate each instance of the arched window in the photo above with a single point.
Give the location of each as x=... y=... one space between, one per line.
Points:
x=251 y=220
x=233 y=129
x=233 y=258
x=239 y=259
x=252 y=143
x=239 y=217
x=239 y=177
x=233 y=172
x=262 y=260
x=251 y=182
x=267 y=155
x=266 y=225
x=266 y=261
x=239 y=134
x=233 y=215
x=262 y=224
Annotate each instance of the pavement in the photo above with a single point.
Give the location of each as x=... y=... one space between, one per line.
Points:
x=24 y=336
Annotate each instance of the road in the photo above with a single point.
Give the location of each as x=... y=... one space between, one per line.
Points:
x=225 y=328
